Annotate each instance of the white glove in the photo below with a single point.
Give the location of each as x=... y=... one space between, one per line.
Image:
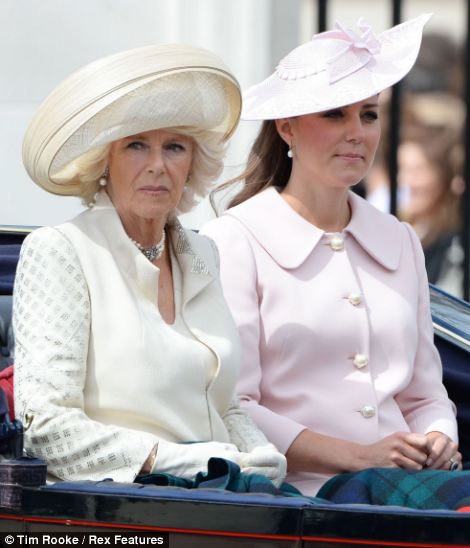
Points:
x=265 y=460
x=187 y=459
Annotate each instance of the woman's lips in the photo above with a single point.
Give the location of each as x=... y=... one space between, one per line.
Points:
x=153 y=190
x=350 y=157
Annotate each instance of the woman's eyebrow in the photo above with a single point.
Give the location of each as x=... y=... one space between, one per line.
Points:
x=139 y=136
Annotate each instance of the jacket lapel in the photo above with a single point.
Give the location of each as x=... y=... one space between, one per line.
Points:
x=375 y=231
x=195 y=270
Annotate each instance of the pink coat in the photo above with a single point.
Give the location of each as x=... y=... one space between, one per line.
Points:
x=336 y=329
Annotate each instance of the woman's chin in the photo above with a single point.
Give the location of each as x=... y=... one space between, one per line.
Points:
x=150 y=211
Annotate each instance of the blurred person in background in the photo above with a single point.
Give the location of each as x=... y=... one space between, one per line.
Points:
x=429 y=176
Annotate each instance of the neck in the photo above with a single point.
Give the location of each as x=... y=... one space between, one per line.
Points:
x=326 y=208
x=146 y=232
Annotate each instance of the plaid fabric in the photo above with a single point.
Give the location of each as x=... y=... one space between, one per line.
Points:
x=225 y=474
x=426 y=489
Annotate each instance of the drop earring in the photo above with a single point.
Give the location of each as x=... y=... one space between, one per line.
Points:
x=103 y=180
x=290 y=152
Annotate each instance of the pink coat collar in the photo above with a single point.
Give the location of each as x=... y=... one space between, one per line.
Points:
x=290 y=239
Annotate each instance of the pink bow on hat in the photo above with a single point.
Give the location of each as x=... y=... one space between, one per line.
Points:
x=355 y=54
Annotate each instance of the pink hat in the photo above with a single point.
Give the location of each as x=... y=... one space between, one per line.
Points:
x=334 y=69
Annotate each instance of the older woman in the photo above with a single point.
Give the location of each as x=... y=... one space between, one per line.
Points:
x=125 y=348
x=339 y=367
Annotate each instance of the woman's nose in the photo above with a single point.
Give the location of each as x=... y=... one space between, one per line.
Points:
x=155 y=163
x=354 y=129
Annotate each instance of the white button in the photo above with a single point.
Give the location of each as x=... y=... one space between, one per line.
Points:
x=360 y=360
x=355 y=298
x=337 y=242
x=368 y=411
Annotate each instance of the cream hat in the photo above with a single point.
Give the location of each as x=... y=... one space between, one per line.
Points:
x=153 y=87
x=334 y=69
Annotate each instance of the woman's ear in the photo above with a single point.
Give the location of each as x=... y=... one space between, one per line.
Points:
x=284 y=128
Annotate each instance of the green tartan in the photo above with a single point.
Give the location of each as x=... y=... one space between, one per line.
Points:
x=225 y=474
x=425 y=489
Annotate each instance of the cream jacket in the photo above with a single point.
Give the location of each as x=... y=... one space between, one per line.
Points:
x=336 y=329
x=96 y=368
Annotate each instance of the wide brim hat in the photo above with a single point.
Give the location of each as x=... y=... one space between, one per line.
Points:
x=153 y=87
x=336 y=68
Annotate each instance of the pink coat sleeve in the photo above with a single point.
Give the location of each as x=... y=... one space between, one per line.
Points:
x=238 y=273
x=424 y=402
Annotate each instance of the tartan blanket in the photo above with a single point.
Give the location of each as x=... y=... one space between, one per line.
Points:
x=225 y=474
x=425 y=489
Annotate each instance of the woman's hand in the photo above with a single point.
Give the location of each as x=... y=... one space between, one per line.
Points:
x=443 y=452
x=186 y=460
x=147 y=466
x=267 y=461
x=315 y=452
x=399 y=450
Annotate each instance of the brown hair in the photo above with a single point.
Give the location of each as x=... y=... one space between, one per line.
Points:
x=267 y=165
x=443 y=152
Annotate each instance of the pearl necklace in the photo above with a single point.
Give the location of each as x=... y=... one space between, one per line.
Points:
x=152 y=252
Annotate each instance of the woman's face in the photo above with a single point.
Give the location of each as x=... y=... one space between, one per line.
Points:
x=336 y=147
x=147 y=173
x=419 y=180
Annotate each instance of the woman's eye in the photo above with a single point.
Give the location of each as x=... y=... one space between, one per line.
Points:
x=371 y=115
x=333 y=114
x=136 y=145
x=175 y=147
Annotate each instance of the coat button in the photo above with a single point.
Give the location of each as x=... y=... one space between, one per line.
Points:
x=355 y=298
x=360 y=360
x=337 y=242
x=368 y=411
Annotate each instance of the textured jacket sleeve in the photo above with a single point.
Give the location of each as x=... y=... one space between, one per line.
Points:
x=242 y=429
x=238 y=273
x=424 y=403
x=52 y=322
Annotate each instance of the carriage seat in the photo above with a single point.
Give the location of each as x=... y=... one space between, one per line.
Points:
x=6 y=332
x=6 y=351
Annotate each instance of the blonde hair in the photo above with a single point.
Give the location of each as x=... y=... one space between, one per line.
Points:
x=207 y=165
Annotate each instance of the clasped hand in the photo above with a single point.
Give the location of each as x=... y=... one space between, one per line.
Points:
x=415 y=451
x=265 y=460
x=186 y=460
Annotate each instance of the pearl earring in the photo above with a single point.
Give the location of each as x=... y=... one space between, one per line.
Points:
x=290 y=152
x=103 y=180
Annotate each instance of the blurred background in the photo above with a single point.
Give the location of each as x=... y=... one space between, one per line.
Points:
x=43 y=42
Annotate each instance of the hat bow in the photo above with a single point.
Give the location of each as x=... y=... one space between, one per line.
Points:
x=354 y=54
